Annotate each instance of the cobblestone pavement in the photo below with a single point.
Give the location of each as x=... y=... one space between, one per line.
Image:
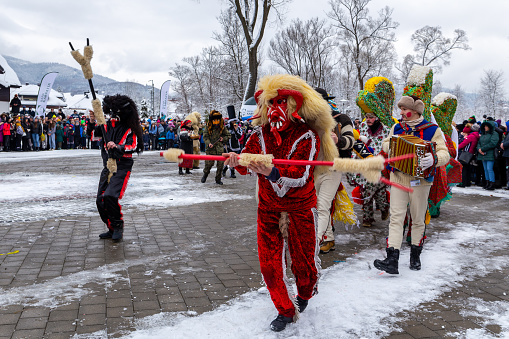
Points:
x=65 y=280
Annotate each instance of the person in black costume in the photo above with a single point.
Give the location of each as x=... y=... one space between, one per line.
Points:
x=123 y=138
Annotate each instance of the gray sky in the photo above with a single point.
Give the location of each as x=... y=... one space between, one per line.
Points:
x=140 y=40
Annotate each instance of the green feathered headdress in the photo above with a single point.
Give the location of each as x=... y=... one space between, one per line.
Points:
x=443 y=107
x=420 y=84
x=377 y=97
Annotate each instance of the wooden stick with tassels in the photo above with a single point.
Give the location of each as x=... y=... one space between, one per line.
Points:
x=84 y=61
x=370 y=167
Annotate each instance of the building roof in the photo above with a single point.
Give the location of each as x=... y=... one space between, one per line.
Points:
x=28 y=96
x=8 y=78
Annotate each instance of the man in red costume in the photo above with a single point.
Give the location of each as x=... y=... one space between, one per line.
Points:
x=293 y=119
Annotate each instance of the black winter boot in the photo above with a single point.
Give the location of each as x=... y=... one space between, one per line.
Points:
x=219 y=182
x=232 y=173
x=491 y=186
x=118 y=231
x=225 y=168
x=106 y=235
x=188 y=171
x=204 y=178
x=279 y=324
x=302 y=304
x=390 y=264
x=181 y=172
x=415 y=260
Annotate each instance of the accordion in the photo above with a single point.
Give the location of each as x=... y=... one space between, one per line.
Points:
x=410 y=144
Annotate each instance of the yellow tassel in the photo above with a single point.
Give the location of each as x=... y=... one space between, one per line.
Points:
x=427 y=219
x=343 y=208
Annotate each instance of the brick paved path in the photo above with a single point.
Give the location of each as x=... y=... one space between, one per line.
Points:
x=65 y=281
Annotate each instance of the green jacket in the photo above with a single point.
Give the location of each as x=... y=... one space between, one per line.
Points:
x=488 y=142
x=213 y=138
x=59 y=134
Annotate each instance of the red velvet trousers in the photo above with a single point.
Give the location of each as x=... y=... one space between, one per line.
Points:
x=303 y=248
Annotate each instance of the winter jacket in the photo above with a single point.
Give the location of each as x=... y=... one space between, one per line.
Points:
x=7 y=128
x=506 y=146
x=152 y=129
x=59 y=134
x=37 y=128
x=488 y=142
x=469 y=143
x=213 y=138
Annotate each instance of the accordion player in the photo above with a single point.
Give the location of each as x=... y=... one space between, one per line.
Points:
x=410 y=144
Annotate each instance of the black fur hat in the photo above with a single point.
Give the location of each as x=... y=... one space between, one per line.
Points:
x=120 y=105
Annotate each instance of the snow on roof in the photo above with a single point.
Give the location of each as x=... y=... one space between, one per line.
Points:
x=81 y=101
x=55 y=98
x=9 y=77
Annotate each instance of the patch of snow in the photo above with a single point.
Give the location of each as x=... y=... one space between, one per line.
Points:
x=355 y=300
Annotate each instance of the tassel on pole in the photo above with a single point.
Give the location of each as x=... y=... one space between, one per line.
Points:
x=370 y=167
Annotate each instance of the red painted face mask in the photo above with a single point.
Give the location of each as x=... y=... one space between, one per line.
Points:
x=276 y=113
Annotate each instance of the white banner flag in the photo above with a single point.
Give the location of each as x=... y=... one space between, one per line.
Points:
x=44 y=91
x=163 y=108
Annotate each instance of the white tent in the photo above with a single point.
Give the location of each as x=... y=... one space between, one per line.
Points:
x=81 y=102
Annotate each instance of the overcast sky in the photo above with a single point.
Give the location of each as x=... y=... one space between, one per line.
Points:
x=141 y=40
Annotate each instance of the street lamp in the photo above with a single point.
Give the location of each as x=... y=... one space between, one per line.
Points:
x=152 y=94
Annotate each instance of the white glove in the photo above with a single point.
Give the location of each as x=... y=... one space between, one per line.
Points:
x=427 y=161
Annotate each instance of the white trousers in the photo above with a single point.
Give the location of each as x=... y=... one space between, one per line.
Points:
x=400 y=199
x=326 y=186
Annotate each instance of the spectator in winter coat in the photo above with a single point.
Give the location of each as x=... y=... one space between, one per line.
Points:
x=52 y=126
x=15 y=104
x=233 y=145
x=6 y=128
x=77 y=133
x=170 y=137
x=36 y=134
x=469 y=144
x=505 y=147
x=59 y=135
x=488 y=142
x=152 y=131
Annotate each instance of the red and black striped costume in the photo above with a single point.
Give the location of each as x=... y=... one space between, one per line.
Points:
x=109 y=194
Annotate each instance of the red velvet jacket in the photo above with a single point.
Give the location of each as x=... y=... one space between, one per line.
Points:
x=295 y=187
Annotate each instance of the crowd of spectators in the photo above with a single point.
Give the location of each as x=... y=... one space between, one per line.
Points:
x=24 y=131
x=487 y=145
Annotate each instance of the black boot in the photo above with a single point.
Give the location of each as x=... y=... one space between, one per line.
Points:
x=390 y=264
x=219 y=182
x=118 y=231
x=279 y=324
x=232 y=173
x=302 y=304
x=204 y=178
x=181 y=172
x=188 y=171
x=106 y=235
x=415 y=260
x=491 y=186
x=225 y=168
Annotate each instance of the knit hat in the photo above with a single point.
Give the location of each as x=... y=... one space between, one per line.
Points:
x=410 y=103
x=472 y=119
x=185 y=122
x=467 y=130
x=475 y=128
x=324 y=93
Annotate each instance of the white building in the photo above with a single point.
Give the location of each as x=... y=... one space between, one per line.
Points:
x=28 y=96
x=8 y=80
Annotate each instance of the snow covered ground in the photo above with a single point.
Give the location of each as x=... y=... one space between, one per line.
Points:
x=33 y=195
x=355 y=300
